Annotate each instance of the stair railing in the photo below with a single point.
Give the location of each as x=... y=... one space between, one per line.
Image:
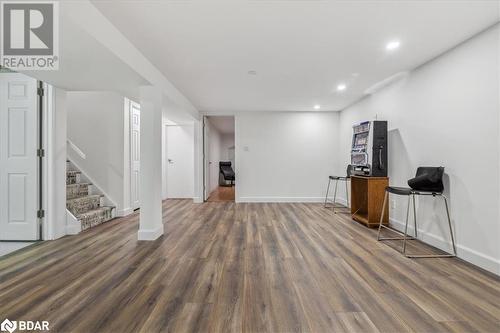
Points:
x=75 y=148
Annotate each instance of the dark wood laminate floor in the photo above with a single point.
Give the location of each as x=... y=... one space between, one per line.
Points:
x=222 y=193
x=226 y=267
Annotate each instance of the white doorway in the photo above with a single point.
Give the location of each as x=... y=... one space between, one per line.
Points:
x=135 y=154
x=19 y=140
x=219 y=158
x=179 y=161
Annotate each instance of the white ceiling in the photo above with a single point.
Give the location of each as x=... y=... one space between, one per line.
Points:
x=300 y=49
x=223 y=124
x=85 y=64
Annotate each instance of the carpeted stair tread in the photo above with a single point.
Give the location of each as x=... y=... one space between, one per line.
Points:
x=89 y=196
x=77 y=190
x=87 y=208
x=72 y=177
x=82 y=184
x=95 y=217
x=83 y=204
x=94 y=211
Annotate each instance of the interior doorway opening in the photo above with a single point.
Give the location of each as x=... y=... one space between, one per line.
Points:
x=219 y=154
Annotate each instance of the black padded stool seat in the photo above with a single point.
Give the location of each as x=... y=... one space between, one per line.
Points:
x=429 y=182
x=339 y=177
x=399 y=190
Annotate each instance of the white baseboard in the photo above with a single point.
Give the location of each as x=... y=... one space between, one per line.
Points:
x=280 y=199
x=149 y=234
x=73 y=229
x=479 y=259
x=197 y=200
x=124 y=212
x=341 y=201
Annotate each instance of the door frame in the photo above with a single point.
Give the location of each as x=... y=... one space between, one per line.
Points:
x=206 y=169
x=205 y=156
x=47 y=222
x=130 y=105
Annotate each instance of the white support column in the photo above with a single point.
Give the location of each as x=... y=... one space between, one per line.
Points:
x=150 y=223
x=198 y=161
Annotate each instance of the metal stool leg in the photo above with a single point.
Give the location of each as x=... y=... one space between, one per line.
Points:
x=447 y=255
x=449 y=224
x=406 y=225
x=335 y=195
x=346 y=193
x=382 y=215
x=327 y=191
x=415 y=216
x=381 y=225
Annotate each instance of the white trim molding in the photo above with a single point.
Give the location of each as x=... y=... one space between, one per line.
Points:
x=476 y=258
x=124 y=212
x=75 y=148
x=280 y=199
x=149 y=234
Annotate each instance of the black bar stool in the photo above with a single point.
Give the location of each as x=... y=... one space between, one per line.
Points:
x=345 y=178
x=428 y=181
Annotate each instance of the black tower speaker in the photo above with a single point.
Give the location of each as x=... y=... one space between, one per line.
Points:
x=379 y=167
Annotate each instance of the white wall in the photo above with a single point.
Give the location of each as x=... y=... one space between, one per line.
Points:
x=226 y=142
x=285 y=156
x=96 y=126
x=198 y=161
x=446 y=113
x=55 y=177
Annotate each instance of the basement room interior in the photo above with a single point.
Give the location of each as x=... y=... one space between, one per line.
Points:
x=250 y=166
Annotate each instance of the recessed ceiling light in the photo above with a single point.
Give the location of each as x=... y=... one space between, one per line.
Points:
x=317 y=107
x=341 y=87
x=392 y=45
x=252 y=72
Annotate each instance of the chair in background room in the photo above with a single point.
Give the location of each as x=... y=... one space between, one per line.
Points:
x=345 y=179
x=226 y=174
x=429 y=182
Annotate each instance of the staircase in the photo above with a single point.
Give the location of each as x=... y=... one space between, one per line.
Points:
x=86 y=206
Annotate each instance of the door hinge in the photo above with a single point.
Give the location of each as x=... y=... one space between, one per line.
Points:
x=40 y=91
x=40 y=213
x=40 y=152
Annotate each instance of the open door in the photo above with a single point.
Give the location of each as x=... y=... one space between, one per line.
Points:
x=206 y=160
x=19 y=131
x=135 y=154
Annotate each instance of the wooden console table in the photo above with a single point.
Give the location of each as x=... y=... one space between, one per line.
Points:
x=367 y=197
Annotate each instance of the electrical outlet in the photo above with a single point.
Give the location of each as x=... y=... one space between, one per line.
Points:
x=393 y=204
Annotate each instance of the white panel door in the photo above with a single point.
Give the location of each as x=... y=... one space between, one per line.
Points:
x=18 y=158
x=180 y=161
x=135 y=153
